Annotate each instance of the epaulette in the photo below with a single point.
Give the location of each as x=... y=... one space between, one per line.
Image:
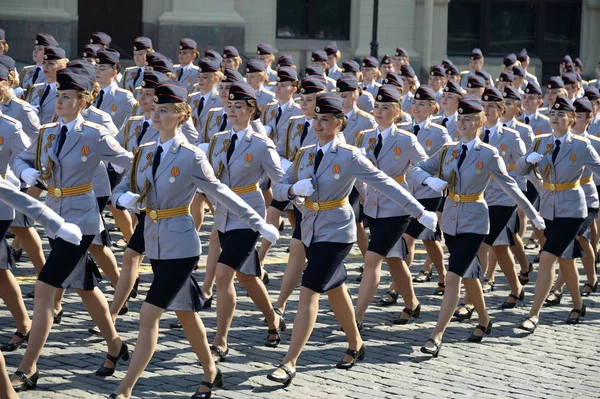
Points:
x=215 y=109
x=9 y=118
x=436 y=117
x=347 y=146
x=592 y=81
x=148 y=144
x=437 y=125
x=136 y=118
x=360 y=137
x=544 y=117
x=510 y=130
x=364 y=114
x=28 y=67
x=489 y=146
x=189 y=146
x=464 y=72
x=404 y=123
x=272 y=103
x=124 y=90
x=49 y=125
x=296 y=117
x=19 y=100
x=405 y=133
x=577 y=137
x=130 y=68
x=591 y=137
x=92 y=125
x=37 y=85
x=541 y=136
x=260 y=136
x=522 y=124
x=189 y=97
x=221 y=133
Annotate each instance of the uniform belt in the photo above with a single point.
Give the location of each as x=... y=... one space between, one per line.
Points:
x=465 y=197
x=69 y=191
x=245 y=189
x=561 y=186
x=157 y=214
x=586 y=180
x=327 y=205
x=400 y=179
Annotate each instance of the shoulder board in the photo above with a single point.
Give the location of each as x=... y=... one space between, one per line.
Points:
x=148 y=144
x=50 y=125
x=489 y=147
x=260 y=136
x=19 y=100
x=28 y=67
x=38 y=85
x=532 y=75
x=130 y=68
x=521 y=124
x=359 y=138
x=124 y=90
x=176 y=65
x=437 y=125
x=368 y=131
x=577 y=137
x=221 y=133
x=543 y=110
x=591 y=137
x=136 y=118
x=464 y=72
x=405 y=133
x=271 y=104
x=544 y=117
x=592 y=81
x=509 y=130
x=216 y=109
x=347 y=146
x=541 y=136
x=436 y=118
x=92 y=125
x=309 y=146
x=8 y=118
x=189 y=146
x=364 y=114
x=404 y=123
x=189 y=97
x=295 y=118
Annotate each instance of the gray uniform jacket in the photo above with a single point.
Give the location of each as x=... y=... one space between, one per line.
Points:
x=131 y=78
x=118 y=103
x=288 y=145
x=450 y=125
x=525 y=131
x=253 y=156
x=594 y=127
x=74 y=168
x=26 y=77
x=589 y=189
x=366 y=102
x=128 y=134
x=576 y=153
x=340 y=167
x=271 y=74
x=264 y=97
x=400 y=149
x=336 y=73
x=47 y=108
x=539 y=124
x=188 y=77
x=372 y=89
x=214 y=121
x=13 y=141
x=278 y=129
x=22 y=111
x=358 y=121
x=481 y=163
x=182 y=169
x=211 y=101
x=407 y=101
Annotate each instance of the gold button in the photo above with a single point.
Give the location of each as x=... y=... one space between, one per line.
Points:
x=224 y=213
x=154 y=238
x=314 y=214
x=374 y=190
x=455 y=205
x=453 y=218
x=374 y=203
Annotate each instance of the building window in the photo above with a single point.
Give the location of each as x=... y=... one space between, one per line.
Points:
x=313 y=19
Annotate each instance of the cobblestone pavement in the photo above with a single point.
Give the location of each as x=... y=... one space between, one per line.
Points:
x=558 y=361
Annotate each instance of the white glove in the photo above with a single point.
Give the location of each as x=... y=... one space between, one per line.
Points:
x=269 y=232
x=303 y=188
x=117 y=168
x=204 y=147
x=436 y=184
x=428 y=219
x=539 y=223
x=70 y=233
x=30 y=176
x=128 y=200
x=285 y=164
x=534 y=158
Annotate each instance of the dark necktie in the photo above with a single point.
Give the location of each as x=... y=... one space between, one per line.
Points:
x=100 y=99
x=527 y=120
x=556 y=150
x=62 y=136
x=46 y=92
x=378 y=145
x=231 y=147
x=416 y=129
x=364 y=88
x=304 y=132
x=504 y=124
x=444 y=121
x=318 y=160
x=137 y=76
x=180 y=73
x=35 y=75
x=486 y=136
x=463 y=155
x=200 y=106
x=141 y=135
x=224 y=123
x=279 y=112
x=156 y=160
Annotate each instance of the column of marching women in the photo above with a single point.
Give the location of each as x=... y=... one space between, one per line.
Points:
x=346 y=151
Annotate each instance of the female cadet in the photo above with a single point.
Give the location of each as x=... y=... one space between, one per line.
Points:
x=452 y=74
x=13 y=141
x=264 y=52
x=432 y=137
x=392 y=150
x=465 y=216
x=133 y=75
x=34 y=74
x=333 y=57
x=394 y=79
x=65 y=158
x=365 y=99
x=559 y=159
x=164 y=177
x=42 y=96
x=371 y=75
x=240 y=157
x=437 y=81
x=583 y=112
x=555 y=88
x=256 y=77
x=186 y=71
x=320 y=181
x=409 y=87
x=231 y=58
x=386 y=66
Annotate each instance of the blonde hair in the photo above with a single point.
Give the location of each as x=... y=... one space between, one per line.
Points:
x=13 y=78
x=89 y=96
x=400 y=117
x=5 y=94
x=435 y=105
x=182 y=108
x=5 y=46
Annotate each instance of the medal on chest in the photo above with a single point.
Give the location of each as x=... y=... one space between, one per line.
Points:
x=85 y=151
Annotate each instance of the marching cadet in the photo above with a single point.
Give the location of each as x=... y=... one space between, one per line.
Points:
x=365 y=99
x=264 y=52
x=409 y=87
x=207 y=96
x=214 y=54
x=452 y=74
x=505 y=79
x=532 y=101
x=3 y=43
x=319 y=58
x=572 y=85
x=593 y=95
x=452 y=95
x=400 y=58
x=464 y=235
x=13 y=141
x=90 y=53
x=394 y=79
x=509 y=61
x=240 y=157
x=559 y=159
x=317 y=70
x=133 y=75
x=476 y=61
x=33 y=74
x=387 y=221
x=164 y=178
x=555 y=87
x=285 y=60
x=519 y=81
x=42 y=96
x=371 y=75
x=186 y=71
x=13 y=76
x=66 y=157
x=231 y=58
x=117 y=102
x=524 y=59
x=17 y=108
x=437 y=81
x=320 y=181
x=385 y=66
x=100 y=38
x=475 y=86
x=333 y=57
x=595 y=83
x=256 y=76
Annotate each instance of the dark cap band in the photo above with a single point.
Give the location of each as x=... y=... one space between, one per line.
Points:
x=170 y=92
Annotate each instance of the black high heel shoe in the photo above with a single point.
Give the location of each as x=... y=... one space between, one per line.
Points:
x=422 y=277
x=433 y=352
x=134 y=290
x=416 y=313
x=486 y=330
x=207 y=301
x=512 y=305
x=27 y=383
x=217 y=383
x=221 y=353
x=272 y=343
x=287 y=380
x=531 y=329
x=580 y=313
x=58 y=317
x=524 y=277
x=13 y=346
x=356 y=356
x=384 y=301
x=108 y=371
x=265 y=278
x=593 y=288
x=440 y=289
x=458 y=316
x=554 y=301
